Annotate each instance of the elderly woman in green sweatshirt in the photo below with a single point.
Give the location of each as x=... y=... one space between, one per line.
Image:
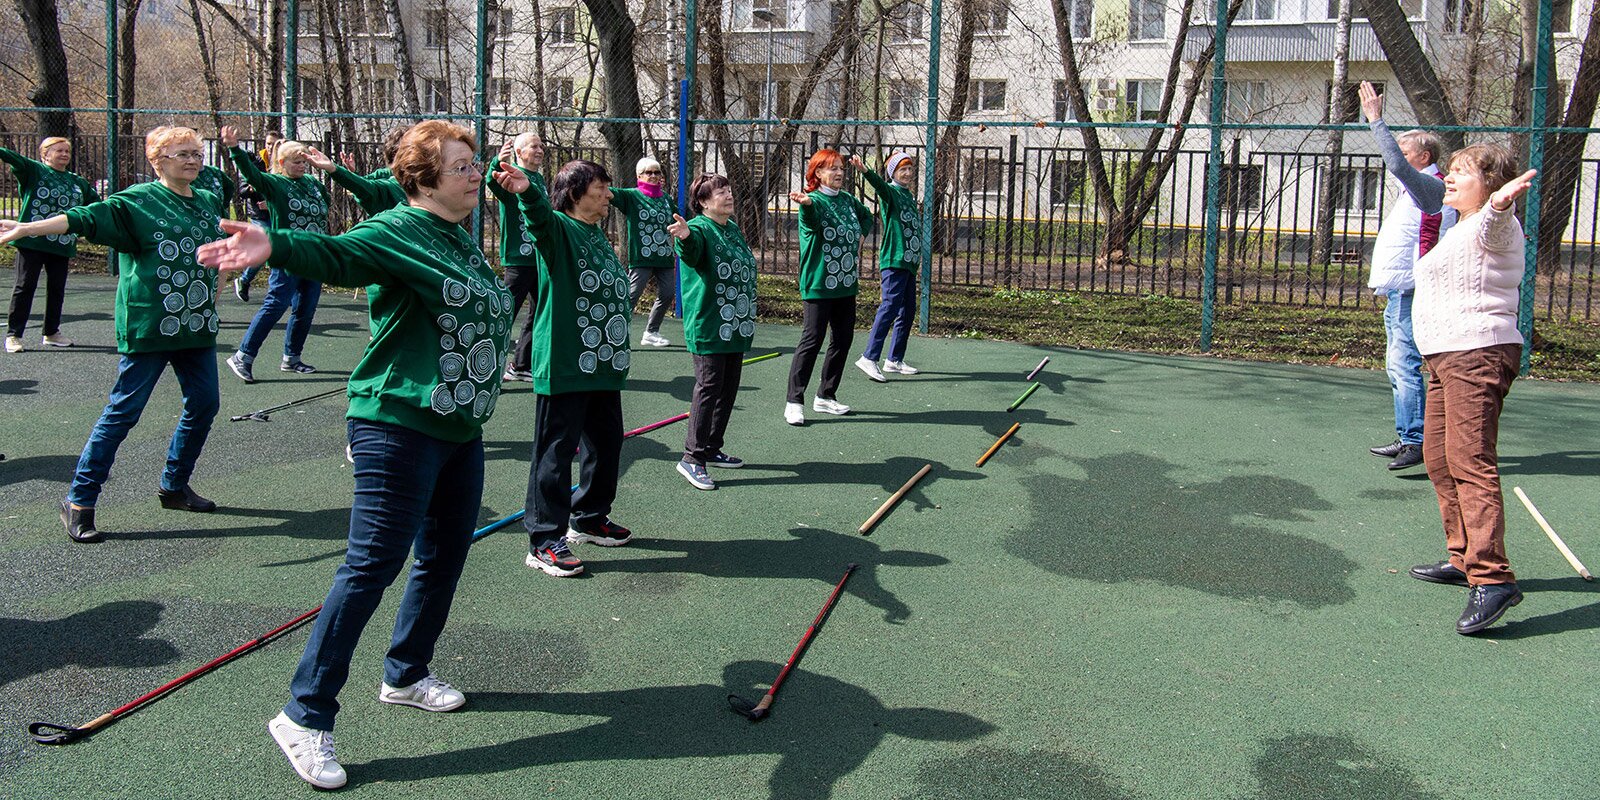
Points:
x=165 y=316
x=47 y=189
x=419 y=398
x=648 y=209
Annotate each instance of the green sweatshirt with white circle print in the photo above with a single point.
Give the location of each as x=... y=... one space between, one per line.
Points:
x=296 y=204
x=165 y=299
x=46 y=192
x=719 y=288
x=901 y=244
x=580 y=326
x=830 y=245
x=516 y=241
x=440 y=324
x=217 y=182
x=649 y=244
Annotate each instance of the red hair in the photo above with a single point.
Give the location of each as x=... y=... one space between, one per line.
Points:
x=823 y=158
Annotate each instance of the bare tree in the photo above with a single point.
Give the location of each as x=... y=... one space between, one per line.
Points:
x=615 y=29
x=1413 y=69
x=208 y=67
x=1327 y=189
x=51 y=88
x=947 y=159
x=406 y=73
x=1564 y=152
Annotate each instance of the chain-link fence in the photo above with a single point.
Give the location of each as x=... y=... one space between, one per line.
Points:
x=1207 y=149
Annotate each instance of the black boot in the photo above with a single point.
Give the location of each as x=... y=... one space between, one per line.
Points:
x=1485 y=604
x=186 y=500
x=80 y=524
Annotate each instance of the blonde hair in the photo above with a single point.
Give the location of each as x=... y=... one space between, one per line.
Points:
x=287 y=149
x=52 y=141
x=161 y=137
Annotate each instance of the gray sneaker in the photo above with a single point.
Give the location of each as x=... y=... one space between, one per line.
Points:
x=241 y=368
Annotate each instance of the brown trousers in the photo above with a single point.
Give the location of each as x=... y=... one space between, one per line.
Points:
x=1466 y=390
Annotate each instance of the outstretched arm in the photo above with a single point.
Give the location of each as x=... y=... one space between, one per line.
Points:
x=1425 y=190
x=342 y=260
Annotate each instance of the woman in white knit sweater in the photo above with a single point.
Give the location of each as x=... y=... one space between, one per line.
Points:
x=1464 y=320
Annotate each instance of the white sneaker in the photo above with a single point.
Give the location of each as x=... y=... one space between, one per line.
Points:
x=901 y=367
x=310 y=752
x=653 y=340
x=14 y=344
x=514 y=374
x=428 y=694
x=826 y=406
x=870 y=367
x=56 y=341
x=794 y=413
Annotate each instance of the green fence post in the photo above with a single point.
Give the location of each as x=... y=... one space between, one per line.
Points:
x=291 y=80
x=925 y=298
x=111 y=114
x=1208 y=295
x=691 y=40
x=480 y=111
x=1536 y=125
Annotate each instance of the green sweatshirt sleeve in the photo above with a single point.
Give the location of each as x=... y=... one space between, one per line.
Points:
x=548 y=232
x=692 y=249
x=625 y=201
x=363 y=189
x=880 y=187
x=252 y=174
x=864 y=215
x=500 y=192
x=89 y=194
x=24 y=167
x=340 y=260
x=108 y=222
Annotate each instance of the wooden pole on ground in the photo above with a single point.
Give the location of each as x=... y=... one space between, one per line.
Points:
x=895 y=498
x=1550 y=532
x=1000 y=441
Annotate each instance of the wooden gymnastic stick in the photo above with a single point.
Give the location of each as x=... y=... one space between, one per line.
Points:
x=1000 y=441
x=888 y=504
x=1550 y=532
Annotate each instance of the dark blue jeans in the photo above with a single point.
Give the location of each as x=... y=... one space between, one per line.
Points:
x=414 y=494
x=285 y=292
x=897 y=309
x=196 y=369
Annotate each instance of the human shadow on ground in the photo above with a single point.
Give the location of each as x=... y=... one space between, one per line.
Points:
x=812 y=553
x=1052 y=382
x=1317 y=766
x=679 y=387
x=821 y=730
x=1129 y=519
x=326 y=524
x=1016 y=775
x=992 y=421
x=483 y=520
x=57 y=468
x=68 y=318
x=1577 y=463
x=634 y=448
x=888 y=475
x=110 y=635
x=17 y=387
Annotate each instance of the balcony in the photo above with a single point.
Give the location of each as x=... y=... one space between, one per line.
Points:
x=1297 y=41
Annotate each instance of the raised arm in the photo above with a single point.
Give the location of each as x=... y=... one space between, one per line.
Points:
x=252 y=174
x=364 y=189
x=548 y=233
x=864 y=215
x=691 y=243
x=105 y=223
x=19 y=163
x=1425 y=190
x=1500 y=232
x=501 y=193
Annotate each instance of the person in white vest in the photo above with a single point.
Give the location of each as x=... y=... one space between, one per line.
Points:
x=1407 y=234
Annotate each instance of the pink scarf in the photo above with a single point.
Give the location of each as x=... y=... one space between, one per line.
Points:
x=651 y=190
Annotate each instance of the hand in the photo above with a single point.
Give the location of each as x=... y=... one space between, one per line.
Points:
x=1371 y=101
x=10 y=230
x=1508 y=194
x=348 y=161
x=315 y=158
x=508 y=152
x=855 y=161
x=248 y=246
x=678 y=228
x=800 y=197
x=511 y=179
x=229 y=136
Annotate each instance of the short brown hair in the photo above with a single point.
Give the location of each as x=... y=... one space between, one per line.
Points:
x=1494 y=164
x=701 y=190
x=417 y=163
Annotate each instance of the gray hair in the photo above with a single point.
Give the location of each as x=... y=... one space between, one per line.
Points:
x=1426 y=141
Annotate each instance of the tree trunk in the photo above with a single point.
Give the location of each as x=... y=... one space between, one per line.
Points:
x=406 y=75
x=615 y=29
x=1563 y=157
x=208 y=68
x=1413 y=69
x=751 y=216
x=51 y=89
x=541 y=102
x=947 y=159
x=127 y=68
x=343 y=95
x=275 y=34
x=1322 y=243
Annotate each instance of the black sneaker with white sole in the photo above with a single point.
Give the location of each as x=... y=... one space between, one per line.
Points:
x=605 y=534
x=555 y=559
x=725 y=461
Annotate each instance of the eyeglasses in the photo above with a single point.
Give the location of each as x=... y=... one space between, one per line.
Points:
x=464 y=170
x=651 y=172
x=187 y=155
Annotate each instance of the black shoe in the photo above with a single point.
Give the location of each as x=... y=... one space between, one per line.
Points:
x=1410 y=455
x=1485 y=604
x=1441 y=572
x=185 y=500
x=1388 y=450
x=80 y=524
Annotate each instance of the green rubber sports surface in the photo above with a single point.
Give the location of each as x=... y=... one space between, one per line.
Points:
x=1181 y=578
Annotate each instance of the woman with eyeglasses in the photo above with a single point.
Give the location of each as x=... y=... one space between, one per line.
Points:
x=419 y=398
x=298 y=203
x=165 y=317
x=648 y=210
x=47 y=189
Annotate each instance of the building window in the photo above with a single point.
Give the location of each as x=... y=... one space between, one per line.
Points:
x=905 y=99
x=382 y=94
x=1258 y=11
x=1245 y=101
x=1561 y=16
x=436 y=25
x=1063 y=107
x=559 y=94
x=769 y=14
x=1147 y=19
x=1241 y=186
x=986 y=96
x=904 y=23
x=499 y=91
x=1350 y=108
x=1458 y=15
x=985 y=176
x=1143 y=100
x=766 y=100
x=308 y=90
x=1068 y=182
x=1082 y=18
x=1357 y=190
x=992 y=17
x=1413 y=9
x=503 y=19
x=563 y=26
x=435 y=95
